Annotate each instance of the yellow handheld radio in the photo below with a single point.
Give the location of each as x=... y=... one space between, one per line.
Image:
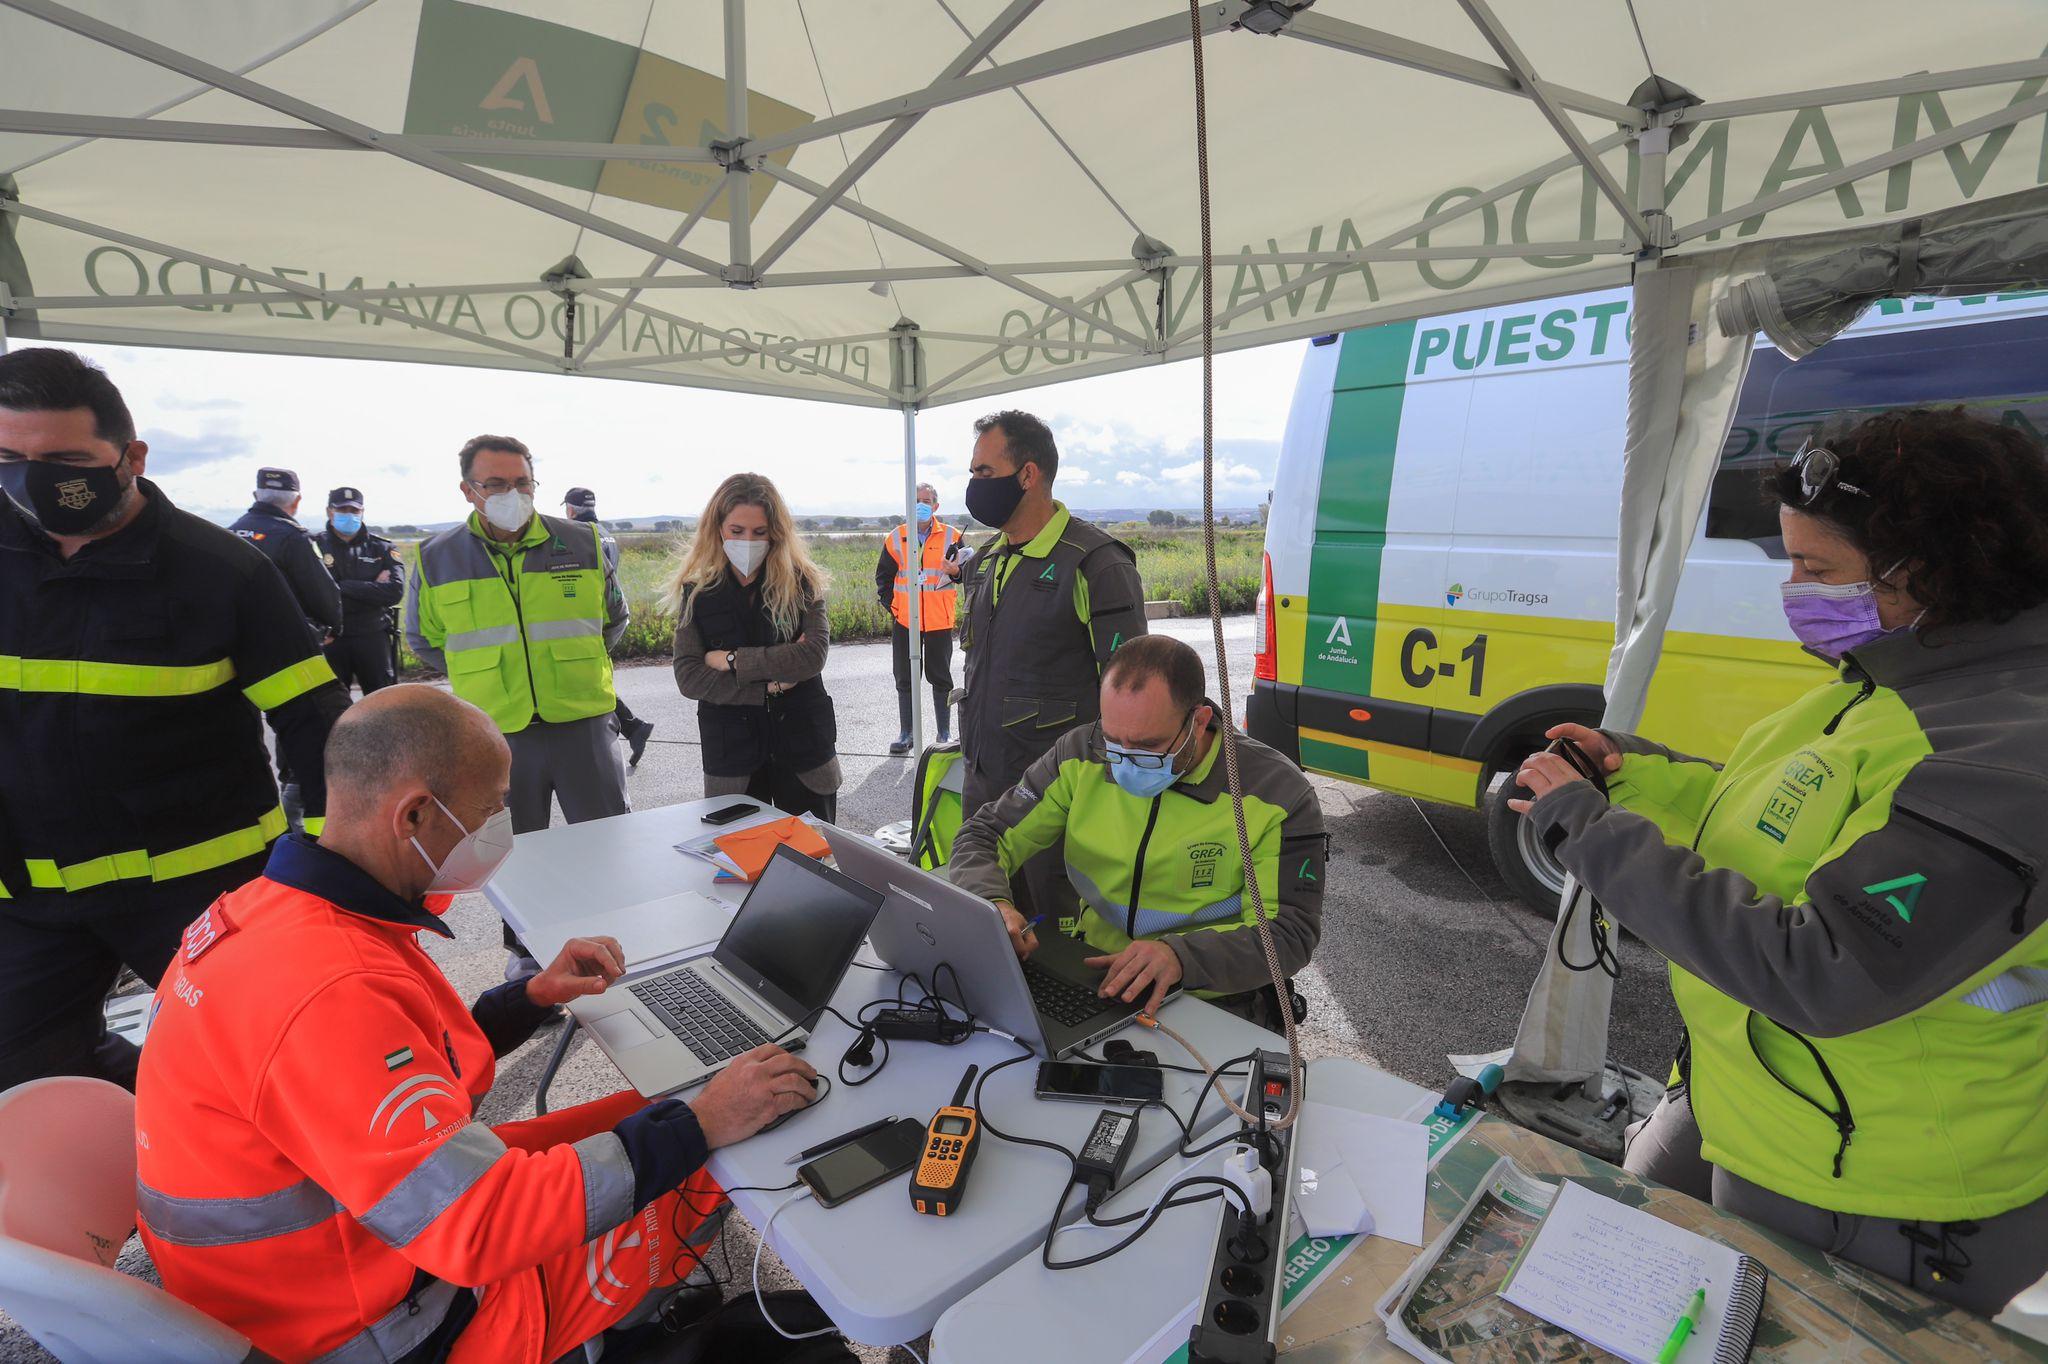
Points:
x=949 y=1145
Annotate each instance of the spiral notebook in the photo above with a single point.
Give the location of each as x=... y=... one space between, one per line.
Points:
x=1619 y=1278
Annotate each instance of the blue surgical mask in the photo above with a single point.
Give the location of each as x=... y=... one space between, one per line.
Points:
x=1143 y=781
x=346 y=523
x=924 y=514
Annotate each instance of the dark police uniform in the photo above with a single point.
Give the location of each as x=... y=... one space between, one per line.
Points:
x=287 y=544
x=136 y=788
x=365 y=653
x=582 y=506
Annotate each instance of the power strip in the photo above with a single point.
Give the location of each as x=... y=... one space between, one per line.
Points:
x=1241 y=1304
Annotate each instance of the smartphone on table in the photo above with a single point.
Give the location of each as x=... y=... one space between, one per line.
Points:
x=726 y=814
x=1087 y=1082
x=860 y=1165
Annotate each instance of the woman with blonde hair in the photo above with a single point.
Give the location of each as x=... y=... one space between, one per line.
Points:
x=751 y=636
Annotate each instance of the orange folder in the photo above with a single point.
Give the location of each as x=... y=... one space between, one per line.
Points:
x=750 y=849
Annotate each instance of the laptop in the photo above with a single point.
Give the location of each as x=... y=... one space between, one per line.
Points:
x=1049 y=1001
x=767 y=980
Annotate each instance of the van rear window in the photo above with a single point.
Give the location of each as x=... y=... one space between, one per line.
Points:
x=1999 y=370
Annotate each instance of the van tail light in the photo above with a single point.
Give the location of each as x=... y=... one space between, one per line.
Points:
x=1266 y=637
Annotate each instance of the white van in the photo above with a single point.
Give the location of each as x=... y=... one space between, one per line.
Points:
x=1441 y=546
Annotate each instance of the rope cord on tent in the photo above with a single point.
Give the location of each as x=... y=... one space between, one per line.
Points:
x=1232 y=776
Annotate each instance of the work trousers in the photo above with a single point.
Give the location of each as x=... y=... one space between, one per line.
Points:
x=60 y=952
x=575 y=762
x=541 y=1314
x=1989 y=1260
x=938 y=671
x=364 y=660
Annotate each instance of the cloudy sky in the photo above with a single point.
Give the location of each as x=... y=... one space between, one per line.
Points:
x=1126 y=440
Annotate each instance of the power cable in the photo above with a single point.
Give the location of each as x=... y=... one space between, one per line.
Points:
x=1233 y=777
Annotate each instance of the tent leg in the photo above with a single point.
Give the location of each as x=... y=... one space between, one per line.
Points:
x=6 y=306
x=913 y=567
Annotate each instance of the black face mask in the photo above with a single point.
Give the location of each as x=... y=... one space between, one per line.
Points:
x=993 y=501
x=64 y=499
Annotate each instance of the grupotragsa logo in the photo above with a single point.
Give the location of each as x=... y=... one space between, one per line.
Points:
x=1456 y=591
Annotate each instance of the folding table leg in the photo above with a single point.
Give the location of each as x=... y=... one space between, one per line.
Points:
x=547 y=1074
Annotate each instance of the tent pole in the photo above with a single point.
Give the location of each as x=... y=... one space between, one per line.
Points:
x=913 y=568
x=6 y=311
x=739 y=203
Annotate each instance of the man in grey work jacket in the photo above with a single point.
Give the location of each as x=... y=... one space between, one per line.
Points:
x=1049 y=599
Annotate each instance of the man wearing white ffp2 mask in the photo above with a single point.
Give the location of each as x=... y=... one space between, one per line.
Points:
x=305 y=1036
x=521 y=611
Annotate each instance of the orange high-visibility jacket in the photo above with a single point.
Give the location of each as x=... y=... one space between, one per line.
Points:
x=941 y=594
x=308 y=1168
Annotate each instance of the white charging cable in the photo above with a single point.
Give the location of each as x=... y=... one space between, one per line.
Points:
x=761 y=1243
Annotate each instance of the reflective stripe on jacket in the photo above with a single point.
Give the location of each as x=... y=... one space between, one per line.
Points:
x=309 y=1168
x=1166 y=868
x=135 y=678
x=940 y=604
x=523 y=628
x=1859 y=943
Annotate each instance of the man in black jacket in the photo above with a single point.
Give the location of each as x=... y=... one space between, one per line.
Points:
x=139 y=645
x=271 y=524
x=580 y=504
x=372 y=584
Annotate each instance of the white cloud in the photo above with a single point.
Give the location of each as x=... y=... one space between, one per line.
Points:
x=1130 y=439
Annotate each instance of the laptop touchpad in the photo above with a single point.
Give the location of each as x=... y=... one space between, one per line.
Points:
x=621 y=1030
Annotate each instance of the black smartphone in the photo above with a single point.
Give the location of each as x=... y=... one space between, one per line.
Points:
x=1086 y=1082
x=726 y=814
x=860 y=1165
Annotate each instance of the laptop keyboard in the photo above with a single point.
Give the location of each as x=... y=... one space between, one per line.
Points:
x=704 y=1020
x=1061 y=1000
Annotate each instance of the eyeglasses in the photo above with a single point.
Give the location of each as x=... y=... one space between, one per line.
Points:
x=1150 y=762
x=493 y=487
x=1819 y=469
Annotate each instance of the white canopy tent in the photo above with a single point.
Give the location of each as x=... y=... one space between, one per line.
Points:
x=901 y=203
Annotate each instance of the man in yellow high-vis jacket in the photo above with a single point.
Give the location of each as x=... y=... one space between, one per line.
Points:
x=521 y=610
x=139 y=645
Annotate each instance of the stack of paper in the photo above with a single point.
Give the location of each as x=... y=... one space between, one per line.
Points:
x=1360 y=1173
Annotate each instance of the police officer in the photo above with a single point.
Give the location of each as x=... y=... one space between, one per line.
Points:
x=372 y=584
x=271 y=524
x=138 y=644
x=1151 y=841
x=1049 y=599
x=580 y=504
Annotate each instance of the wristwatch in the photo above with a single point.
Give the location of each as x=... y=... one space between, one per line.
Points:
x=732 y=660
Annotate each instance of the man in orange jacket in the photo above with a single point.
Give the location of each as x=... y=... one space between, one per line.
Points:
x=309 y=1168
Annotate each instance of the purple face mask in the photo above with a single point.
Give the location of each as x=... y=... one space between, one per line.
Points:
x=1832 y=618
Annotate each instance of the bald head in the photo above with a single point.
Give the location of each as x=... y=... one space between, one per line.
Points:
x=403 y=735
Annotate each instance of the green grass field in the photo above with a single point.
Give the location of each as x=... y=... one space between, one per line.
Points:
x=1170 y=561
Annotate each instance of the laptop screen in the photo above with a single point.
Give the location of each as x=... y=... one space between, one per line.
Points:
x=796 y=932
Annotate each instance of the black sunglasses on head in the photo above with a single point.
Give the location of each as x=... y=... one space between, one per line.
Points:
x=1819 y=469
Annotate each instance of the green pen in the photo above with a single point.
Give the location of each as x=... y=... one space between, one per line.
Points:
x=1683 y=1327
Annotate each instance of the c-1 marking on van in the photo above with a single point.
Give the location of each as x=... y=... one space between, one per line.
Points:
x=1441 y=540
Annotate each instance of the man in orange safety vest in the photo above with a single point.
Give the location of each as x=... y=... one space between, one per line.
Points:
x=935 y=575
x=310 y=1169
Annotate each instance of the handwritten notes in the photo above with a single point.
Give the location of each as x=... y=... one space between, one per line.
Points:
x=1618 y=1278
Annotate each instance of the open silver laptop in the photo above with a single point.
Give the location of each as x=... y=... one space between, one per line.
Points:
x=767 y=980
x=1048 y=1002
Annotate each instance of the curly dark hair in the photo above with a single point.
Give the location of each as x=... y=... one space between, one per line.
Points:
x=1960 y=501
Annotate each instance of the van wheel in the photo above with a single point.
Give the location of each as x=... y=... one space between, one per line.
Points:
x=1536 y=877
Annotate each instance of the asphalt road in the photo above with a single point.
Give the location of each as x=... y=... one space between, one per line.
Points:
x=1423 y=952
